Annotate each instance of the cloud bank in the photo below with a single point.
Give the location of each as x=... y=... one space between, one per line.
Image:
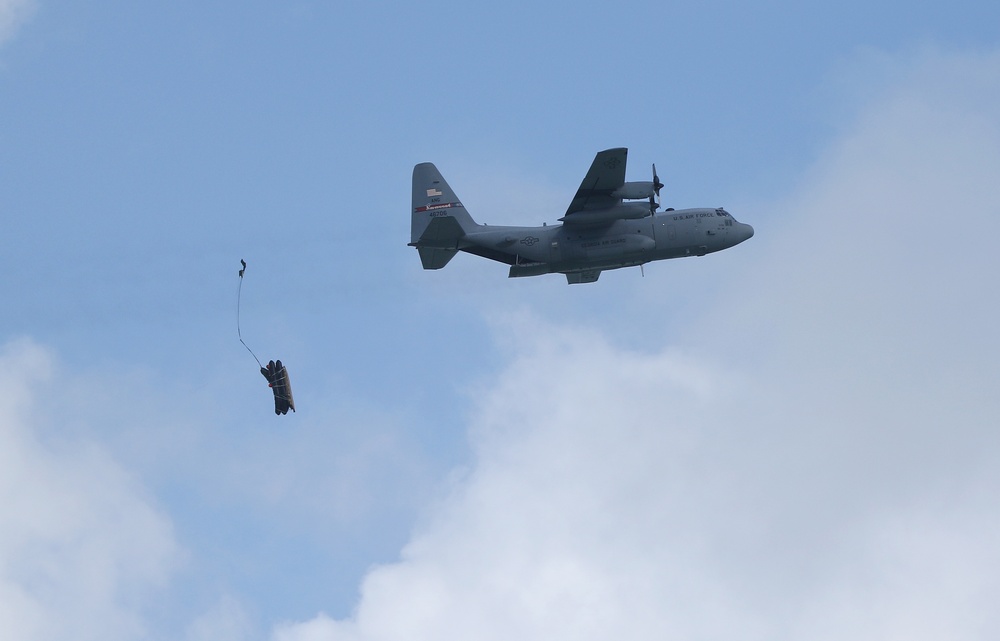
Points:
x=13 y=13
x=818 y=460
x=82 y=549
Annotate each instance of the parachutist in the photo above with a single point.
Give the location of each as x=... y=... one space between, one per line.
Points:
x=275 y=372
x=277 y=380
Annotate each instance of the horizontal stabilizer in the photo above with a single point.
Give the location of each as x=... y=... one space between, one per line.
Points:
x=435 y=257
x=438 y=243
x=441 y=232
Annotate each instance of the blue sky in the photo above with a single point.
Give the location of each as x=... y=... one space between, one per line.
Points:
x=791 y=439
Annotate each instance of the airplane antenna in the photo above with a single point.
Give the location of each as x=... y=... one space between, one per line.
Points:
x=239 y=293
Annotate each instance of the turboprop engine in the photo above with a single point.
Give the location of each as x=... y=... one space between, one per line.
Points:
x=640 y=190
x=635 y=190
x=623 y=211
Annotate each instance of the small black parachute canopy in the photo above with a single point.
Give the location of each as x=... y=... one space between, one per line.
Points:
x=275 y=372
x=277 y=380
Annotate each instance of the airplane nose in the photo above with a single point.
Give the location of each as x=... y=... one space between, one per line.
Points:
x=743 y=232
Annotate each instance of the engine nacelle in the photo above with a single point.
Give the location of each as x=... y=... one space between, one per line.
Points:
x=635 y=190
x=623 y=211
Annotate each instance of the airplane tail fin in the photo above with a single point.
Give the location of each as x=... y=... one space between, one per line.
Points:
x=438 y=220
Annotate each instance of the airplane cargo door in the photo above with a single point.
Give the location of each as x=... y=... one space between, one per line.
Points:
x=555 y=253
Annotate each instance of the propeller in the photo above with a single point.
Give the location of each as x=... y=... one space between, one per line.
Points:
x=657 y=186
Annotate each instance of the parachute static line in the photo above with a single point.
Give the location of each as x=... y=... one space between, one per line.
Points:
x=275 y=373
x=239 y=293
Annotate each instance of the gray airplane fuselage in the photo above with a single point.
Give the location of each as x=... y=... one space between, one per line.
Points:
x=620 y=243
x=603 y=228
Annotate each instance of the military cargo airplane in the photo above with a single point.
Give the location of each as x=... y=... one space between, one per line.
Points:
x=599 y=231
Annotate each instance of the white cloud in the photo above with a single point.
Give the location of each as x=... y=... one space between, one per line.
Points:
x=820 y=460
x=226 y=621
x=82 y=550
x=13 y=13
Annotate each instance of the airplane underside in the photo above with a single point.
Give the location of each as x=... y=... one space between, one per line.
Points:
x=587 y=272
x=574 y=275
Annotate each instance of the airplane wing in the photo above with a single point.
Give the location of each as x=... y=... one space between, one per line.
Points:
x=607 y=173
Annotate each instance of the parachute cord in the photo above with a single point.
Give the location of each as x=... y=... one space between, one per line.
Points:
x=239 y=293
